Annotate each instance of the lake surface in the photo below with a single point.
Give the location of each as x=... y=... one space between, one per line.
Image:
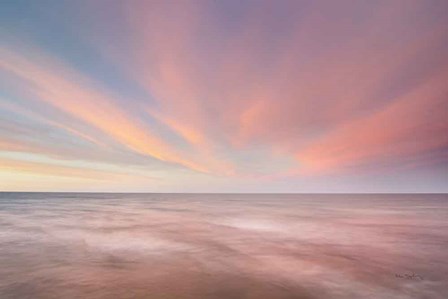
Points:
x=80 y=245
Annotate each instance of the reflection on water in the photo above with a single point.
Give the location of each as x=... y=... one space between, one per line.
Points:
x=223 y=246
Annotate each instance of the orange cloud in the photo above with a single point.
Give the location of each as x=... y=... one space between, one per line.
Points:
x=14 y=165
x=71 y=93
x=335 y=88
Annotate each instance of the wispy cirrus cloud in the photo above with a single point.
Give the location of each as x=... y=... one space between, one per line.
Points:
x=412 y=125
x=248 y=91
x=331 y=69
x=62 y=88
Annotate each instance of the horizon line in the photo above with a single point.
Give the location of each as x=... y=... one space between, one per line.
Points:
x=240 y=193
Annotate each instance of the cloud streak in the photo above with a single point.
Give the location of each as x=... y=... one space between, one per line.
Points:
x=70 y=93
x=251 y=91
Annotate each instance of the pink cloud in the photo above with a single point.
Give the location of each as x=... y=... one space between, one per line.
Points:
x=330 y=88
x=413 y=124
x=71 y=93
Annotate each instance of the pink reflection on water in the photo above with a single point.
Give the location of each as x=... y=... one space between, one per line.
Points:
x=222 y=246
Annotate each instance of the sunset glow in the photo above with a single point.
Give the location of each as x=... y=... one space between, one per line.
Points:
x=224 y=96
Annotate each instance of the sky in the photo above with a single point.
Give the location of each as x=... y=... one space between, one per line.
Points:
x=224 y=96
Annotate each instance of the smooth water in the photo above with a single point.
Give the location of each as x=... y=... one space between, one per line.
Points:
x=77 y=245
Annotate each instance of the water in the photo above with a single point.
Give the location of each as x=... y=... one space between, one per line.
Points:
x=76 y=245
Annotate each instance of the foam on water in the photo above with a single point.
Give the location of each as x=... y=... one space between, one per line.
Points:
x=223 y=246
